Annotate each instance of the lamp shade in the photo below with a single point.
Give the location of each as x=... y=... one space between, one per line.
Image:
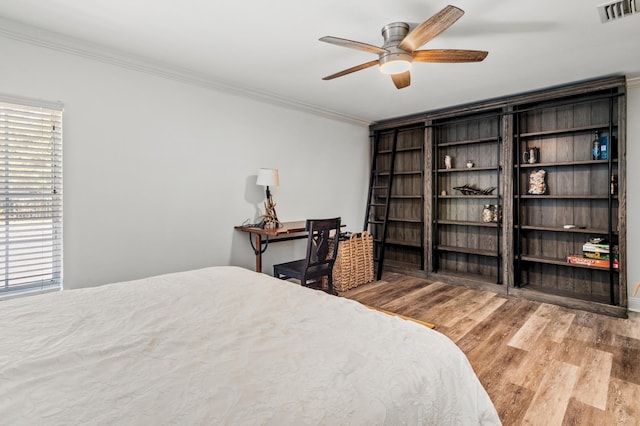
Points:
x=268 y=177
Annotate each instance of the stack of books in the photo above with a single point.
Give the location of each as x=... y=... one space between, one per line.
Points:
x=596 y=252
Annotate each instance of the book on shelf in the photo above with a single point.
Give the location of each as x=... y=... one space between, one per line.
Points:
x=599 y=251
x=576 y=259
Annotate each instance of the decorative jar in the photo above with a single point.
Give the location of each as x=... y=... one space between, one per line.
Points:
x=487 y=213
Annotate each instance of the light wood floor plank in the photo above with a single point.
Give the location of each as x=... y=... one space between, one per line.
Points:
x=512 y=402
x=629 y=327
x=482 y=312
x=580 y=414
x=559 y=321
x=578 y=338
x=624 y=402
x=626 y=359
x=468 y=303
x=529 y=333
x=461 y=328
x=402 y=301
x=550 y=402
x=538 y=359
x=540 y=364
x=593 y=384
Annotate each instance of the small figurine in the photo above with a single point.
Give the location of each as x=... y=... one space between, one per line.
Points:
x=469 y=164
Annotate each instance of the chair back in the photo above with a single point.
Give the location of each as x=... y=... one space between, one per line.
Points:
x=318 y=259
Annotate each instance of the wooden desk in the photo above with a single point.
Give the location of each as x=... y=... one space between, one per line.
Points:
x=288 y=231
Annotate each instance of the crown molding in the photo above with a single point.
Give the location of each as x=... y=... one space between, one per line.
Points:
x=39 y=37
x=633 y=82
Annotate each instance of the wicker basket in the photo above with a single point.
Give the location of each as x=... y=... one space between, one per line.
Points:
x=354 y=263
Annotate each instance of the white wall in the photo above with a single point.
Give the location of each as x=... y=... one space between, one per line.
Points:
x=633 y=195
x=157 y=172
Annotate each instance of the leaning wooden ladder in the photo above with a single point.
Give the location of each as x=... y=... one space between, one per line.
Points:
x=375 y=199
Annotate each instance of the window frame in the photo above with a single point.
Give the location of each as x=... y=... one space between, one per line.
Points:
x=31 y=204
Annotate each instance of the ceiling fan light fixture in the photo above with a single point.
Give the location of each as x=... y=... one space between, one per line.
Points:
x=395 y=67
x=395 y=63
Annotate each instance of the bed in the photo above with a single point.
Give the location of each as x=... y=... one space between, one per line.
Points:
x=225 y=345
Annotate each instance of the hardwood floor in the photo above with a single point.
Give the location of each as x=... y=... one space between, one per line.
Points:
x=541 y=364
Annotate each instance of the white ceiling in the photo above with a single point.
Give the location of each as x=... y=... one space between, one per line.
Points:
x=271 y=49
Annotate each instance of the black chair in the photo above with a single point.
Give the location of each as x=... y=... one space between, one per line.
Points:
x=319 y=262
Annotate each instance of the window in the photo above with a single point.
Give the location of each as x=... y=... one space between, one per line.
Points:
x=30 y=198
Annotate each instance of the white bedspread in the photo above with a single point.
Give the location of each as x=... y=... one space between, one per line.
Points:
x=225 y=345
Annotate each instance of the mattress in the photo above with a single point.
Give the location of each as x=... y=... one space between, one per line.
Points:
x=225 y=345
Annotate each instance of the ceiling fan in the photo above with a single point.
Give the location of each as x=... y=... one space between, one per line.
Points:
x=399 y=48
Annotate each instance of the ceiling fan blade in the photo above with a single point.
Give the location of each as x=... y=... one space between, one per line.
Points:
x=401 y=80
x=353 y=44
x=431 y=28
x=449 y=55
x=352 y=69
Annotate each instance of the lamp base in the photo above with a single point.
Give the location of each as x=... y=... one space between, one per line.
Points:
x=272 y=225
x=270 y=217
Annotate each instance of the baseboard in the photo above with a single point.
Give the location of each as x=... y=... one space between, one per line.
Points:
x=634 y=304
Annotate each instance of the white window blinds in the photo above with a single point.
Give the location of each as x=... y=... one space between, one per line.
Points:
x=31 y=198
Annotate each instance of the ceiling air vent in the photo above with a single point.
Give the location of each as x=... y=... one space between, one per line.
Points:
x=617 y=9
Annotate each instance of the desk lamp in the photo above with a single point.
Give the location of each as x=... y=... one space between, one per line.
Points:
x=267 y=178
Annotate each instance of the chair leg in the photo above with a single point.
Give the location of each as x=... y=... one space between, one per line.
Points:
x=330 y=283
x=278 y=275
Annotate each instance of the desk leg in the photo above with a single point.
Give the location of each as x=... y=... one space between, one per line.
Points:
x=258 y=253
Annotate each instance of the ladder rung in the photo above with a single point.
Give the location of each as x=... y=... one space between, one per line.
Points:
x=377 y=204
